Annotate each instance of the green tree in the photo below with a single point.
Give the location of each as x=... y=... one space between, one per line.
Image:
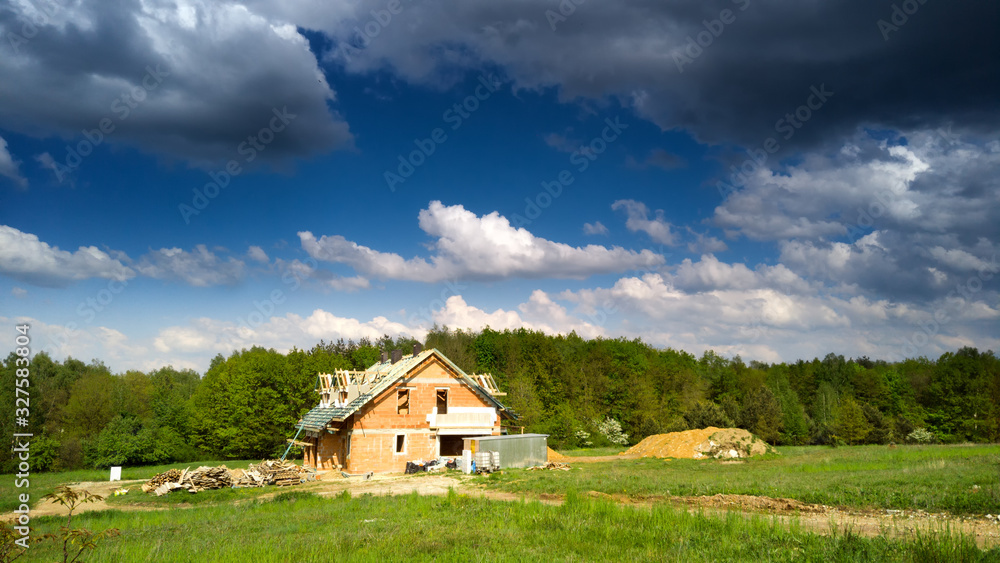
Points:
x=761 y=414
x=851 y=424
x=706 y=413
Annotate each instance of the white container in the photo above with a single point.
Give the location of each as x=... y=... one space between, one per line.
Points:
x=116 y=473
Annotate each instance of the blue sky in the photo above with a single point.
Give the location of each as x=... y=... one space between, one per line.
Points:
x=865 y=221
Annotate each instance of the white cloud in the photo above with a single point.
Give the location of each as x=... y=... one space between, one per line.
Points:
x=472 y=247
x=349 y=284
x=297 y=272
x=540 y=312
x=86 y=343
x=961 y=260
x=595 y=228
x=710 y=274
x=257 y=254
x=705 y=244
x=823 y=195
x=19 y=292
x=10 y=167
x=24 y=257
x=919 y=215
x=748 y=314
x=199 y=268
x=637 y=219
x=204 y=337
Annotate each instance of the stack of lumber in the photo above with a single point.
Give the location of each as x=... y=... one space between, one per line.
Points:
x=202 y=479
x=267 y=472
x=169 y=476
x=207 y=478
x=275 y=472
x=551 y=465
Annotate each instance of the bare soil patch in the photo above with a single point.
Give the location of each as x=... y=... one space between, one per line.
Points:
x=711 y=442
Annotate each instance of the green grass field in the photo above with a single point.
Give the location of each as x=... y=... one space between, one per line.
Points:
x=932 y=478
x=233 y=525
x=611 y=450
x=42 y=484
x=301 y=527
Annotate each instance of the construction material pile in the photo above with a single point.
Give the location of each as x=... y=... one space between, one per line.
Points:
x=273 y=472
x=556 y=456
x=711 y=442
x=201 y=479
x=168 y=476
x=551 y=465
x=268 y=472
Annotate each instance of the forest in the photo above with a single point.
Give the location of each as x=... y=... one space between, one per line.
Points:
x=246 y=405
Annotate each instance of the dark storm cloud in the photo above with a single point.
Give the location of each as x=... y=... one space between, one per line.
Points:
x=189 y=81
x=938 y=66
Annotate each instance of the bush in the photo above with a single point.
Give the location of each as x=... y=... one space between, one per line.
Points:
x=126 y=441
x=44 y=453
x=583 y=439
x=920 y=436
x=612 y=430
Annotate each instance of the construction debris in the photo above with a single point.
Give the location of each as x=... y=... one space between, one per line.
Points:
x=168 y=476
x=551 y=465
x=268 y=472
x=276 y=472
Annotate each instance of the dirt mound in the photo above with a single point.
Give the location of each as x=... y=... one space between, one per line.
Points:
x=711 y=442
x=556 y=456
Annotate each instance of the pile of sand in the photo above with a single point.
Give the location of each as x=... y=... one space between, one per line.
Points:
x=708 y=442
x=556 y=456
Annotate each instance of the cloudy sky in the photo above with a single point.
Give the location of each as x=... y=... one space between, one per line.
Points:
x=767 y=178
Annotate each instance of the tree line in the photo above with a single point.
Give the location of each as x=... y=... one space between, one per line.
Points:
x=247 y=405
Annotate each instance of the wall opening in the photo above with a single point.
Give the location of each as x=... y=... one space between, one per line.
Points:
x=451 y=446
x=400 y=443
x=403 y=401
x=442 y=401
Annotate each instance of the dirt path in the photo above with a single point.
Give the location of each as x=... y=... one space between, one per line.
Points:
x=102 y=488
x=814 y=518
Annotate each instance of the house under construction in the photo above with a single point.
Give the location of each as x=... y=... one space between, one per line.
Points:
x=402 y=408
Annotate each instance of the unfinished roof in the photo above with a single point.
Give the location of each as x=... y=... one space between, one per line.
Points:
x=386 y=374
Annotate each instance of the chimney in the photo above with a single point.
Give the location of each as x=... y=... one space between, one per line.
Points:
x=417 y=348
x=397 y=355
x=385 y=356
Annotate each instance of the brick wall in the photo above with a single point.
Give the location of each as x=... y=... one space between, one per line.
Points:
x=330 y=451
x=373 y=440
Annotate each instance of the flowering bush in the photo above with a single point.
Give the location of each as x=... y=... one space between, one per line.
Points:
x=920 y=436
x=612 y=430
x=583 y=438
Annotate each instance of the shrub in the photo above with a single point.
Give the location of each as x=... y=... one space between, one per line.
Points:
x=127 y=441
x=612 y=430
x=920 y=436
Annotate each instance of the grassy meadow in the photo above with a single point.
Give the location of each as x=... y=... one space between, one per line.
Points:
x=301 y=527
x=962 y=479
x=42 y=484
x=586 y=452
